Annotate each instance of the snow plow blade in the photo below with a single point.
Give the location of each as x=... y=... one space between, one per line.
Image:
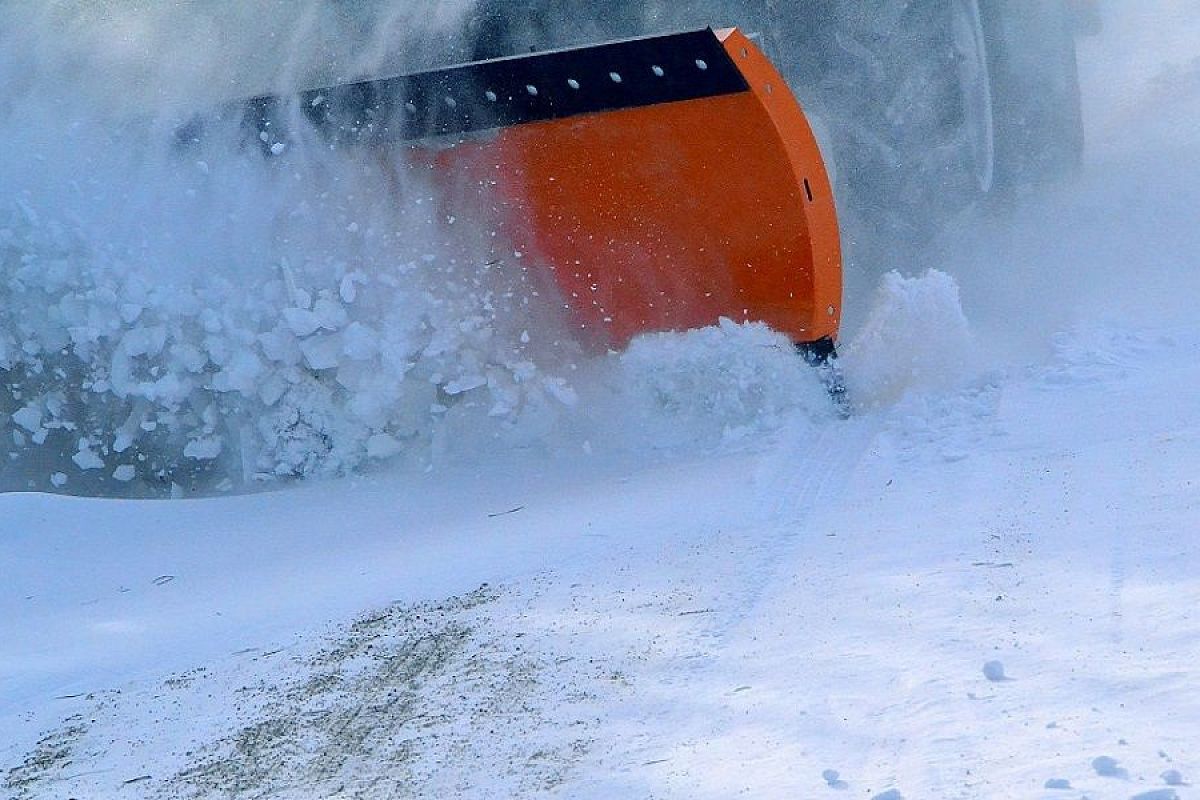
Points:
x=663 y=182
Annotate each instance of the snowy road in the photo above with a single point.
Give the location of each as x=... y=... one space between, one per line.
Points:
x=737 y=626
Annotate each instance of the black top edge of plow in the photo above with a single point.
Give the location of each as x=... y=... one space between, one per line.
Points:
x=498 y=93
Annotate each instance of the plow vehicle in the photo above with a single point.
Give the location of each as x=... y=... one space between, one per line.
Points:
x=666 y=180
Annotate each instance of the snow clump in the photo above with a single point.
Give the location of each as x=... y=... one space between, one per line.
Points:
x=916 y=338
x=1108 y=767
x=727 y=383
x=1172 y=777
x=994 y=671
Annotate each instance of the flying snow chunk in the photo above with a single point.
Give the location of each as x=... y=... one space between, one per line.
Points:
x=29 y=418
x=465 y=384
x=204 y=449
x=59 y=479
x=302 y=321
x=382 y=446
x=240 y=374
x=993 y=671
x=322 y=352
x=330 y=314
x=86 y=458
x=560 y=391
x=124 y=473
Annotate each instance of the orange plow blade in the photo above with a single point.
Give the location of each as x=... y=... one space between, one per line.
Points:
x=663 y=182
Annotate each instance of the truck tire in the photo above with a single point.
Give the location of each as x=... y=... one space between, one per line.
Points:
x=933 y=107
x=1036 y=97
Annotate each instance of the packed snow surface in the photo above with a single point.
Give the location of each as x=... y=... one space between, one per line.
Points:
x=674 y=571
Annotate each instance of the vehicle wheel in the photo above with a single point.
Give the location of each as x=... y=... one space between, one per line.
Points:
x=1035 y=91
x=933 y=106
x=975 y=84
x=887 y=80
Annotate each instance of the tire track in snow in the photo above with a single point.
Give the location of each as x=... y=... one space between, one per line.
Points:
x=802 y=477
x=795 y=480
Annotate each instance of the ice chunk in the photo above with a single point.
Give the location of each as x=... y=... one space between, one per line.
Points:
x=144 y=341
x=330 y=314
x=322 y=352
x=86 y=458
x=381 y=445
x=124 y=473
x=301 y=321
x=240 y=374
x=130 y=312
x=561 y=391
x=188 y=356
x=280 y=345
x=465 y=384
x=203 y=449
x=28 y=417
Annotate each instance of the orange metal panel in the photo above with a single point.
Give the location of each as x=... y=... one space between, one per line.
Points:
x=669 y=216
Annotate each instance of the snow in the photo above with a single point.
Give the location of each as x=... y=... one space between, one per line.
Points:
x=1172 y=777
x=916 y=337
x=1107 y=766
x=833 y=778
x=28 y=417
x=994 y=671
x=669 y=572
